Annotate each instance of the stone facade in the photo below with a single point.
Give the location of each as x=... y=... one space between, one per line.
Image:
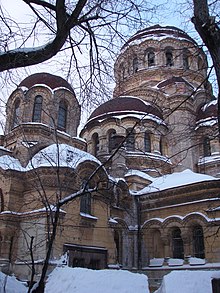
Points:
x=150 y=156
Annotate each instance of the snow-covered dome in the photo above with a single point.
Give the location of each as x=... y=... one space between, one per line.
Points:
x=43 y=78
x=125 y=105
x=157 y=32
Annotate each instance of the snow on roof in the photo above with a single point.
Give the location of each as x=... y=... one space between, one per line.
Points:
x=174 y=180
x=213 y=102
x=9 y=163
x=209 y=159
x=139 y=174
x=188 y=281
x=210 y=121
x=61 y=155
x=81 y=280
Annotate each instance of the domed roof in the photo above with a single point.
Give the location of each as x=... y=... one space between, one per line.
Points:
x=123 y=105
x=52 y=81
x=209 y=110
x=159 y=32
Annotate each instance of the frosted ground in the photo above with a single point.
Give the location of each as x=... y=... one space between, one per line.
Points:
x=78 y=280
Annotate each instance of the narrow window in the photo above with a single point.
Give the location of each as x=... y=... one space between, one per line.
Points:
x=177 y=243
x=111 y=140
x=147 y=142
x=36 y=117
x=85 y=202
x=122 y=72
x=62 y=115
x=130 y=140
x=95 y=142
x=185 y=58
x=16 y=113
x=169 y=57
x=198 y=242
x=135 y=64
x=151 y=58
x=206 y=147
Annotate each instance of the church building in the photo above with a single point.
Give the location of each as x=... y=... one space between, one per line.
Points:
x=147 y=161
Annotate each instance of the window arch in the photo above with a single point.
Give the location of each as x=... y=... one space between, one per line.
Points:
x=111 y=140
x=198 y=242
x=150 y=56
x=135 y=64
x=16 y=113
x=130 y=140
x=36 y=117
x=169 y=57
x=185 y=58
x=177 y=244
x=62 y=115
x=147 y=142
x=206 y=147
x=95 y=142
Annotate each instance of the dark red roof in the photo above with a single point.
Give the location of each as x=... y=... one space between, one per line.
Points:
x=158 y=31
x=52 y=81
x=208 y=110
x=123 y=105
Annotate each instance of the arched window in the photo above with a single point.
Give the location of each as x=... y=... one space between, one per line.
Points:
x=200 y=63
x=118 y=245
x=206 y=147
x=185 y=58
x=85 y=199
x=177 y=244
x=111 y=140
x=122 y=71
x=135 y=64
x=169 y=57
x=150 y=58
x=36 y=117
x=62 y=115
x=198 y=242
x=85 y=203
x=16 y=113
x=147 y=142
x=95 y=142
x=130 y=140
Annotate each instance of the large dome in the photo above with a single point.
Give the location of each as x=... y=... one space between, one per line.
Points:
x=125 y=105
x=52 y=81
x=159 y=32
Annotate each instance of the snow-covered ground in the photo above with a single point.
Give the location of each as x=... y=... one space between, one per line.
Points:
x=78 y=280
x=188 y=282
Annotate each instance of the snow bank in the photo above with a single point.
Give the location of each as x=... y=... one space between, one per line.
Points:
x=80 y=280
x=188 y=282
x=12 y=284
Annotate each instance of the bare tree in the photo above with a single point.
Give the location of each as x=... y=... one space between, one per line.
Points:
x=208 y=27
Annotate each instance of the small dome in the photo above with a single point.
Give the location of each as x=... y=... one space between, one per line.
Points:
x=209 y=110
x=123 y=105
x=159 y=32
x=52 y=81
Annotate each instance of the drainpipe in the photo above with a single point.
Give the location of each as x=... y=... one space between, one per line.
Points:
x=138 y=205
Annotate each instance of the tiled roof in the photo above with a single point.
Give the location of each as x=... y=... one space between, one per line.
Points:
x=125 y=105
x=48 y=79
